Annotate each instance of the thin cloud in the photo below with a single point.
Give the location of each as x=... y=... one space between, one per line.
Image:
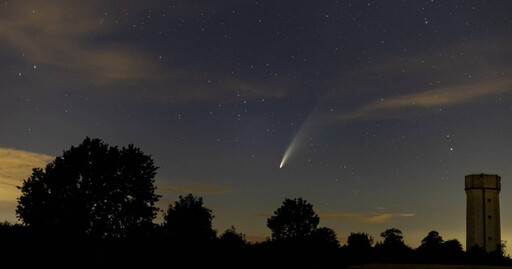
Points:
x=445 y=96
x=48 y=34
x=416 y=82
x=364 y=218
x=406 y=215
x=16 y=166
x=195 y=188
x=51 y=35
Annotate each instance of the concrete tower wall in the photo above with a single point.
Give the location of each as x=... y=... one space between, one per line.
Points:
x=483 y=211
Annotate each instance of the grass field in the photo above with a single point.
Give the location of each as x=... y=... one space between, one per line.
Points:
x=426 y=266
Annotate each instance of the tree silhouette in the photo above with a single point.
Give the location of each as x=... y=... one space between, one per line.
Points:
x=432 y=241
x=359 y=248
x=295 y=219
x=325 y=238
x=360 y=241
x=393 y=249
x=452 y=251
x=92 y=190
x=477 y=255
x=452 y=245
x=431 y=248
x=231 y=239
x=498 y=256
x=393 y=238
x=188 y=220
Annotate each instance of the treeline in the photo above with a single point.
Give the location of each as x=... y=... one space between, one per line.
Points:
x=94 y=207
x=186 y=237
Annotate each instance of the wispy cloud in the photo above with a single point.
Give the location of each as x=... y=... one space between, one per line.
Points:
x=69 y=38
x=56 y=34
x=406 y=215
x=16 y=166
x=194 y=187
x=412 y=82
x=364 y=218
x=445 y=96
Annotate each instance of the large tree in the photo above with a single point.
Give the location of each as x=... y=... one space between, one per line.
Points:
x=92 y=190
x=294 y=219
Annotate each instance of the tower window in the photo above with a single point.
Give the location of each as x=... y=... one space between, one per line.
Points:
x=490 y=238
x=488 y=200
x=489 y=217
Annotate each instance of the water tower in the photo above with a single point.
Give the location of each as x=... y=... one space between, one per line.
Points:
x=483 y=211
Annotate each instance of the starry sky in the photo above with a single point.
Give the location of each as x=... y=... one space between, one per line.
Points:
x=379 y=108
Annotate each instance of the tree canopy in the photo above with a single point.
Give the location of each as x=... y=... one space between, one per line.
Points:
x=93 y=190
x=393 y=238
x=189 y=220
x=231 y=238
x=294 y=219
x=326 y=237
x=432 y=241
x=360 y=241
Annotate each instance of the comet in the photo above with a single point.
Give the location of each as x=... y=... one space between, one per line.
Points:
x=297 y=141
x=287 y=154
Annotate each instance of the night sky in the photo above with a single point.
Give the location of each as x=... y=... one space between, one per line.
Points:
x=380 y=108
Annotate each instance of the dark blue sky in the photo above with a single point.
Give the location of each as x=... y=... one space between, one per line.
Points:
x=384 y=105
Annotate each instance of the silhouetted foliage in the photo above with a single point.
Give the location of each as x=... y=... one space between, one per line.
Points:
x=432 y=241
x=324 y=238
x=231 y=239
x=498 y=257
x=434 y=249
x=476 y=255
x=392 y=238
x=188 y=220
x=12 y=232
x=359 y=248
x=295 y=219
x=452 y=252
x=295 y=234
x=452 y=246
x=93 y=190
x=393 y=249
x=430 y=250
x=360 y=241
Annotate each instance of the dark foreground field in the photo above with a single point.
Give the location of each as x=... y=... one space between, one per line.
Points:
x=425 y=266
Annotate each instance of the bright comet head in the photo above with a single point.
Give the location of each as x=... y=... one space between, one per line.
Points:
x=297 y=140
x=286 y=155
